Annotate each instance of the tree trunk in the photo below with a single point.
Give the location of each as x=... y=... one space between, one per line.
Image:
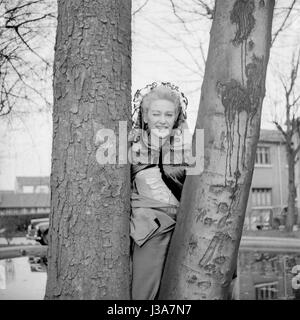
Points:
x=290 y=218
x=90 y=202
x=204 y=247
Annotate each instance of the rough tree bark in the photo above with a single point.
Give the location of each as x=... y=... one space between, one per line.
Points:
x=205 y=243
x=89 y=222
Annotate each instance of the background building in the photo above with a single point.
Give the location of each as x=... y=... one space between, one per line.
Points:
x=31 y=196
x=24 y=204
x=30 y=199
x=269 y=189
x=32 y=184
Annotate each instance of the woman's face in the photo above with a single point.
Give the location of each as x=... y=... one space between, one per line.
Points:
x=160 y=117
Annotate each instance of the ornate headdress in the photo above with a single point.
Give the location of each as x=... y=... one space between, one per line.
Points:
x=137 y=120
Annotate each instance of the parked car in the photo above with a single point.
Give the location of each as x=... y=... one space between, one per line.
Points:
x=37 y=263
x=38 y=230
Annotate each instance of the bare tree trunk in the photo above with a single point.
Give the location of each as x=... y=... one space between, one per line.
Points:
x=290 y=218
x=90 y=202
x=291 y=168
x=204 y=247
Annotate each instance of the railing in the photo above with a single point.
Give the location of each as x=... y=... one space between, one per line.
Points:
x=269 y=244
x=11 y=252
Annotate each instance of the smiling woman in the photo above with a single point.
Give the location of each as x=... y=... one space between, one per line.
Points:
x=156 y=182
x=160 y=117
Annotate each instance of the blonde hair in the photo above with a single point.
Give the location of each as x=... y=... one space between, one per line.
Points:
x=161 y=92
x=154 y=91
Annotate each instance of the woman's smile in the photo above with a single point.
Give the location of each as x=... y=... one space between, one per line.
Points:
x=160 y=117
x=162 y=127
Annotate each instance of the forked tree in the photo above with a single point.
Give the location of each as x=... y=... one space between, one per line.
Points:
x=205 y=243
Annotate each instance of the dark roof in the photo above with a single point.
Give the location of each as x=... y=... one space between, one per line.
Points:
x=270 y=136
x=33 y=181
x=24 y=200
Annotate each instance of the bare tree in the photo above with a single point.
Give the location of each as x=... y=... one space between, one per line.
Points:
x=25 y=27
x=205 y=243
x=291 y=134
x=8 y=228
x=185 y=25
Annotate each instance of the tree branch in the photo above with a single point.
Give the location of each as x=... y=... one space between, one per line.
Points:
x=279 y=127
x=140 y=8
x=284 y=22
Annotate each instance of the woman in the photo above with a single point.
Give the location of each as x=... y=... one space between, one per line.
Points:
x=159 y=157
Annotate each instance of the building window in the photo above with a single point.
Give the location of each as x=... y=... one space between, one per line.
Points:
x=266 y=291
x=27 y=189
x=260 y=219
x=261 y=197
x=263 y=155
x=42 y=189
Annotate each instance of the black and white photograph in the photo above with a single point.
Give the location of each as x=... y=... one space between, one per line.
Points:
x=149 y=153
